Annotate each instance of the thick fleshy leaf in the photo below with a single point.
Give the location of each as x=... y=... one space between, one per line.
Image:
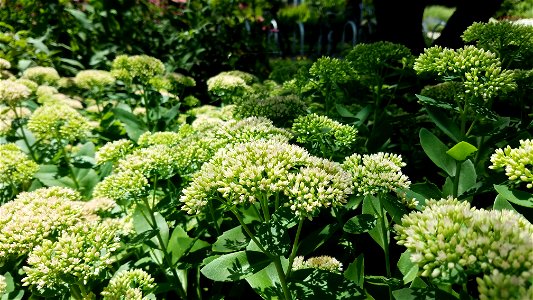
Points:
x=517 y=197
x=462 y=151
x=235 y=266
x=231 y=240
x=436 y=151
x=361 y=223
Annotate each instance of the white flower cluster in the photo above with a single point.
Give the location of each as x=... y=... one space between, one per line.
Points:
x=32 y=217
x=227 y=87
x=113 y=151
x=58 y=122
x=517 y=162
x=129 y=284
x=12 y=92
x=137 y=68
x=42 y=75
x=4 y=64
x=15 y=166
x=81 y=253
x=246 y=172
x=324 y=262
x=93 y=79
x=450 y=241
x=376 y=173
x=3 y=284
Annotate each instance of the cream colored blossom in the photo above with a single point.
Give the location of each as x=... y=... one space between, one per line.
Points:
x=12 y=93
x=42 y=75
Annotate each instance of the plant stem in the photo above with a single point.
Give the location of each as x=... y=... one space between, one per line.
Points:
x=456 y=179
x=385 y=234
x=166 y=258
x=294 y=247
x=24 y=137
x=264 y=207
x=70 y=170
x=275 y=259
x=215 y=223
x=75 y=292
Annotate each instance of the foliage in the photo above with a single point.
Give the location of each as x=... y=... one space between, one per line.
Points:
x=118 y=183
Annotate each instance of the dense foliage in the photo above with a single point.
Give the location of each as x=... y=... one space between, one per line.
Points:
x=373 y=175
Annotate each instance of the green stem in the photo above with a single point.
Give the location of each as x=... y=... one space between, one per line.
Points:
x=215 y=223
x=456 y=179
x=264 y=207
x=276 y=259
x=166 y=257
x=75 y=292
x=70 y=170
x=24 y=137
x=385 y=234
x=295 y=246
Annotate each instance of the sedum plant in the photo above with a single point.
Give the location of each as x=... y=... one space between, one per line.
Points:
x=42 y=75
x=449 y=241
x=133 y=284
x=512 y=43
x=516 y=162
x=324 y=137
x=16 y=168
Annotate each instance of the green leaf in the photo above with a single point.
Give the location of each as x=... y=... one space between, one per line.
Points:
x=370 y=204
x=343 y=112
x=81 y=17
x=87 y=180
x=180 y=243
x=467 y=177
x=363 y=115
x=517 y=197
x=433 y=102
x=500 y=203
x=316 y=239
x=142 y=221
x=46 y=172
x=461 y=151
x=235 y=266
x=274 y=237
x=436 y=151
x=394 y=207
x=231 y=240
x=382 y=280
x=356 y=271
x=426 y=189
x=361 y=223
x=314 y=284
x=266 y=282
x=133 y=125
x=444 y=123
x=407 y=267
x=414 y=294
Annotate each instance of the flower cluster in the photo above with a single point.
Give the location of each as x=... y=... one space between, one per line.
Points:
x=322 y=135
x=227 y=87
x=123 y=187
x=32 y=217
x=32 y=85
x=93 y=79
x=137 y=68
x=81 y=253
x=4 y=64
x=477 y=69
x=445 y=94
x=3 y=284
x=324 y=262
x=15 y=166
x=181 y=80
x=372 y=61
x=246 y=172
x=42 y=75
x=9 y=115
x=58 y=122
x=249 y=129
x=278 y=108
x=113 y=151
x=450 y=241
x=497 y=285
x=12 y=93
x=513 y=42
x=516 y=161
x=376 y=173
x=129 y=284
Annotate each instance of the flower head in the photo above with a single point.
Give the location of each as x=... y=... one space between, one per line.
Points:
x=450 y=241
x=42 y=75
x=376 y=173
x=80 y=255
x=35 y=216
x=248 y=171
x=279 y=109
x=15 y=166
x=3 y=284
x=322 y=135
x=58 y=122
x=137 y=68
x=517 y=162
x=323 y=262
x=93 y=79
x=227 y=87
x=4 y=64
x=12 y=92
x=113 y=151
x=129 y=284
x=123 y=187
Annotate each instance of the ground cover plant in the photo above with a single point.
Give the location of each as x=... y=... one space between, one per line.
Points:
x=377 y=175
